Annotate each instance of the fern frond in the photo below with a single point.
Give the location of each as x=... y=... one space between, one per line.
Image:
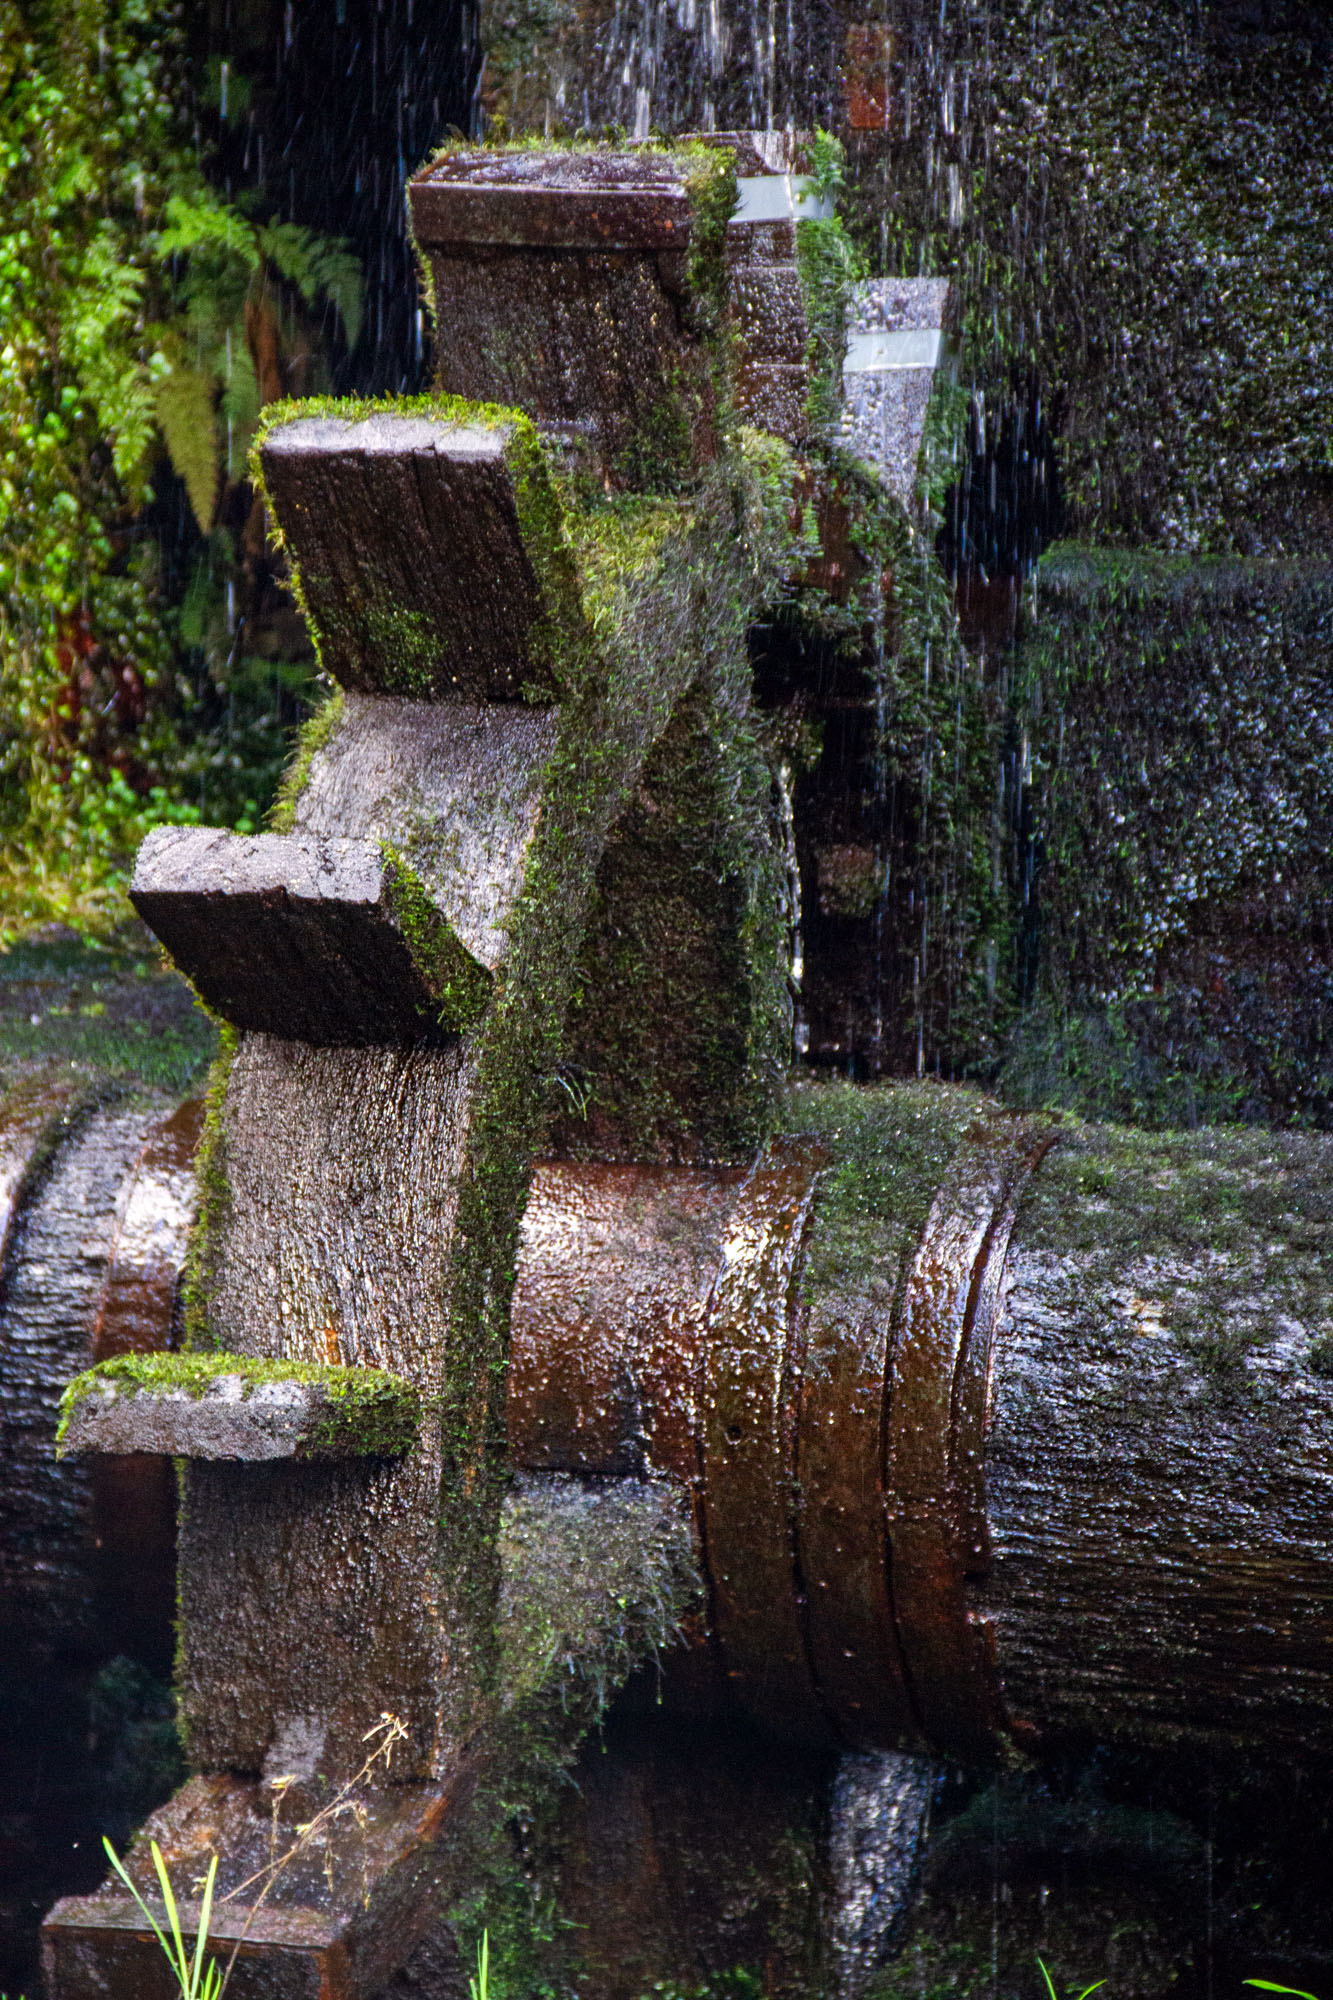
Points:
x=319 y=267
x=188 y=424
x=338 y=271
x=288 y=248
x=194 y=225
x=240 y=406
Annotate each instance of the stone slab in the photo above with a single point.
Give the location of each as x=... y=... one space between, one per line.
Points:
x=234 y=1417
x=894 y=333
x=455 y=786
x=334 y=1925
x=558 y=200
x=301 y=938
x=406 y=538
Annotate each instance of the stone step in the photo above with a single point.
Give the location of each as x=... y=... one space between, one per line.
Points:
x=231 y=1407
x=322 y=940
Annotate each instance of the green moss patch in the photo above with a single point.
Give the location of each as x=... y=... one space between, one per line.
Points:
x=460 y=987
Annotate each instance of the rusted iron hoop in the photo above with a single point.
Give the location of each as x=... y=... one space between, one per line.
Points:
x=935 y=1436
x=610 y=1306
x=748 y=1422
x=854 y=1645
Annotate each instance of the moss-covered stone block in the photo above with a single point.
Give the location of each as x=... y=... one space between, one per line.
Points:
x=332 y=941
x=232 y=1406
x=585 y=285
x=426 y=542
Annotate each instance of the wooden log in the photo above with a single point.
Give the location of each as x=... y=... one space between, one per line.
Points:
x=416 y=572
x=329 y=941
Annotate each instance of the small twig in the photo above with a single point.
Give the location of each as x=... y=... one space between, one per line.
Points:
x=391 y=1730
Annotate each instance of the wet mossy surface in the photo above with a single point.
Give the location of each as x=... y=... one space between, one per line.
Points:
x=1228 y=1233
x=659 y=610
x=888 y=1149
x=1175 y=827
x=1135 y=203
x=459 y=987
x=317 y=730
x=368 y=1411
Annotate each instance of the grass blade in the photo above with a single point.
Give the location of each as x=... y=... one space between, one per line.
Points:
x=201 y=1935
x=119 y=1867
x=180 y=1963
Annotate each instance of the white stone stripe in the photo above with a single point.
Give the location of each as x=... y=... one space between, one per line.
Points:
x=779 y=197
x=875 y=352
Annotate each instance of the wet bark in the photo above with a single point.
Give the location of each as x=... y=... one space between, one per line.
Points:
x=342 y=1174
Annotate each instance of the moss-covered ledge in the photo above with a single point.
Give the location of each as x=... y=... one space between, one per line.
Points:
x=231 y=1406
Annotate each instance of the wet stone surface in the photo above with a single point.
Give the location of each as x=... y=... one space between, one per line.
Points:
x=306 y=938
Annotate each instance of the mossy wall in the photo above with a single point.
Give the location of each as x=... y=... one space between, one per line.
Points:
x=1175 y=717
x=1135 y=203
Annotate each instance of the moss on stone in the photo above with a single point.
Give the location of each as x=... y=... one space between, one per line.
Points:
x=214 y=1197
x=1180 y=796
x=1221 y=1238
x=370 y=1413
x=888 y=1148
x=598 y=1575
x=679 y=1027
x=1146 y=230
x=829 y=263
x=459 y=986
x=318 y=730
x=405 y=644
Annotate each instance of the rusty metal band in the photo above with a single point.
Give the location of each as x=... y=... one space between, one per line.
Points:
x=615 y=1273
x=748 y=1427
x=854 y=1646
x=935 y=1437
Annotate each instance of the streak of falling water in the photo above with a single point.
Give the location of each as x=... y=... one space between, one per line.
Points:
x=879 y=1817
x=792 y=867
x=57 y=1268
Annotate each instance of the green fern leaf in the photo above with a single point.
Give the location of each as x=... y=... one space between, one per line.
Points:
x=189 y=429
x=195 y=225
x=240 y=407
x=288 y=248
x=319 y=267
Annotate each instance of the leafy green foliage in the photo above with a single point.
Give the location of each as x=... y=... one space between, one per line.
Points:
x=830 y=264
x=1051 y=1990
x=232 y=319
x=137 y=312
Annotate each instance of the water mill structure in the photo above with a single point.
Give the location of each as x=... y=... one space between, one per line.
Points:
x=522 y=1331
